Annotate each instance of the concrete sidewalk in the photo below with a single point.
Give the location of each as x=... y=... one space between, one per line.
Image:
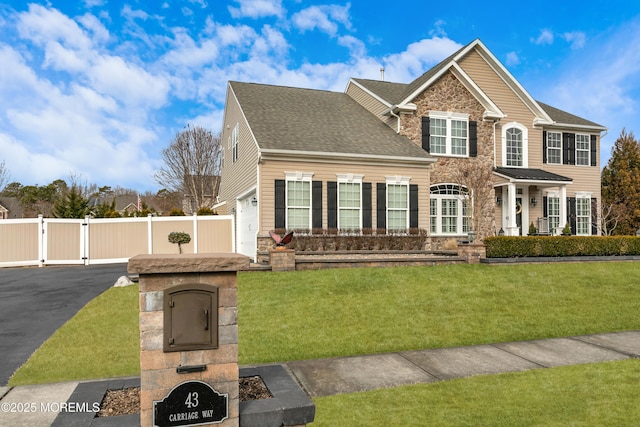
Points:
x=324 y=377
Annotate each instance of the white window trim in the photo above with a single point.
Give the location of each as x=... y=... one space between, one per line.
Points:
x=449 y=116
x=398 y=180
x=298 y=176
x=460 y=215
x=560 y=148
x=235 y=142
x=588 y=150
x=583 y=196
x=525 y=144
x=351 y=179
x=555 y=195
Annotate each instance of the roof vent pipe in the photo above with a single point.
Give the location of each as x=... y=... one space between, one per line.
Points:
x=382 y=73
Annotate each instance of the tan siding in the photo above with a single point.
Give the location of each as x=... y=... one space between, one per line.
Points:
x=238 y=177
x=272 y=170
x=372 y=104
x=508 y=102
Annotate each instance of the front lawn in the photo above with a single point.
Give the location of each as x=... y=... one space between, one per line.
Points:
x=340 y=312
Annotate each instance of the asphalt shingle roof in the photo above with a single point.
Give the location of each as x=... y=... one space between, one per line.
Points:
x=531 y=174
x=295 y=119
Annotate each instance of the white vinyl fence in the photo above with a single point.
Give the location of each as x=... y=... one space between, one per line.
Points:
x=45 y=241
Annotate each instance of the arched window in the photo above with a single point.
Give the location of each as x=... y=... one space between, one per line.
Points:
x=448 y=210
x=514 y=145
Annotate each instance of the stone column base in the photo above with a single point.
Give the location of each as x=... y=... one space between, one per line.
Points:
x=282 y=259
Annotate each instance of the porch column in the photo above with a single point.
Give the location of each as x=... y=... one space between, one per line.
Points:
x=563 y=206
x=512 y=226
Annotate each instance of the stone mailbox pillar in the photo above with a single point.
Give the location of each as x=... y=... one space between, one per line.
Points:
x=188 y=338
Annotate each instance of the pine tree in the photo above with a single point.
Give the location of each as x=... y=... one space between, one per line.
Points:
x=621 y=184
x=71 y=205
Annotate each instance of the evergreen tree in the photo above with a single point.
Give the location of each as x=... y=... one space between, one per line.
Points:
x=71 y=205
x=621 y=184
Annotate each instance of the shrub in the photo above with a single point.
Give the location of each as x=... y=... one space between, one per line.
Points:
x=180 y=238
x=557 y=246
x=206 y=211
x=176 y=212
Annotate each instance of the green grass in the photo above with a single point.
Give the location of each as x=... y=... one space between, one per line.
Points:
x=340 y=312
x=101 y=341
x=327 y=313
x=586 y=395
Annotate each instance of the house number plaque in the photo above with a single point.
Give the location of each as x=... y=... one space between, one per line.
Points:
x=191 y=403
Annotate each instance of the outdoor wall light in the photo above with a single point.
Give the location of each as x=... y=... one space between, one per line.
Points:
x=254 y=201
x=499 y=201
x=534 y=202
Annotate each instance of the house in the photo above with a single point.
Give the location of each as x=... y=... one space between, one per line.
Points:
x=388 y=156
x=10 y=208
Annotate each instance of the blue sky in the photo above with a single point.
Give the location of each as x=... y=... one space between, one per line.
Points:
x=95 y=89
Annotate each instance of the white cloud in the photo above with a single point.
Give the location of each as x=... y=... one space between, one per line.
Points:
x=545 y=37
x=513 y=59
x=418 y=58
x=257 y=9
x=577 y=39
x=322 y=18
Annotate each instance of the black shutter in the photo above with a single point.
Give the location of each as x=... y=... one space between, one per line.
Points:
x=594 y=216
x=569 y=148
x=366 y=205
x=426 y=133
x=571 y=214
x=381 y=208
x=316 y=209
x=332 y=205
x=594 y=150
x=413 y=206
x=473 y=139
x=280 y=205
x=544 y=147
x=545 y=207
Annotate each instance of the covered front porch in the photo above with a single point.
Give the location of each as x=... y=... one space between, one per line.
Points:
x=520 y=196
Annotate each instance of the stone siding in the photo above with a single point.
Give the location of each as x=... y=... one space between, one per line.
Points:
x=449 y=94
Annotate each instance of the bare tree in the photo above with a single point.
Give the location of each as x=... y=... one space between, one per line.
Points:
x=4 y=175
x=609 y=217
x=192 y=166
x=477 y=178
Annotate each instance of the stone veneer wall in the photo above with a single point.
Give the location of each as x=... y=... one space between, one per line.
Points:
x=448 y=94
x=158 y=369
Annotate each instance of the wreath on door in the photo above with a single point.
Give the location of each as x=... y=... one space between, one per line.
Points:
x=518 y=208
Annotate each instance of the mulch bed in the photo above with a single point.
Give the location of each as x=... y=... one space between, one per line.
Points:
x=127 y=401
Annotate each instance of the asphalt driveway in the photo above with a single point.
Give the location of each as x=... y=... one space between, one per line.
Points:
x=35 y=302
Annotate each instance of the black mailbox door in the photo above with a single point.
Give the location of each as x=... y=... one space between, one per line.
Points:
x=191 y=318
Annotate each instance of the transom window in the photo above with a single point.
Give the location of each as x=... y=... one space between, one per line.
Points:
x=583 y=149
x=554 y=147
x=448 y=210
x=449 y=133
x=349 y=202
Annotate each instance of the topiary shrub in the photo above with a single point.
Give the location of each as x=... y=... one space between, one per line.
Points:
x=180 y=238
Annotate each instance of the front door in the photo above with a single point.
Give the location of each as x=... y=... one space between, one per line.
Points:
x=519 y=214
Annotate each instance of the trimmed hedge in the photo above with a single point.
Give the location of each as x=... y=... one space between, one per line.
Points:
x=556 y=246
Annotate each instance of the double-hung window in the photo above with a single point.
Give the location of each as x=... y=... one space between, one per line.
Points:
x=553 y=211
x=349 y=202
x=298 y=201
x=448 y=210
x=449 y=133
x=583 y=215
x=583 y=149
x=554 y=148
x=397 y=204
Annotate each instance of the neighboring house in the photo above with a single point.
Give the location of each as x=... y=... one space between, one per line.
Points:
x=10 y=208
x=385 y=156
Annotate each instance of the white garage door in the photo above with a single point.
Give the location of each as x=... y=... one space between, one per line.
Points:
x=247 y=227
